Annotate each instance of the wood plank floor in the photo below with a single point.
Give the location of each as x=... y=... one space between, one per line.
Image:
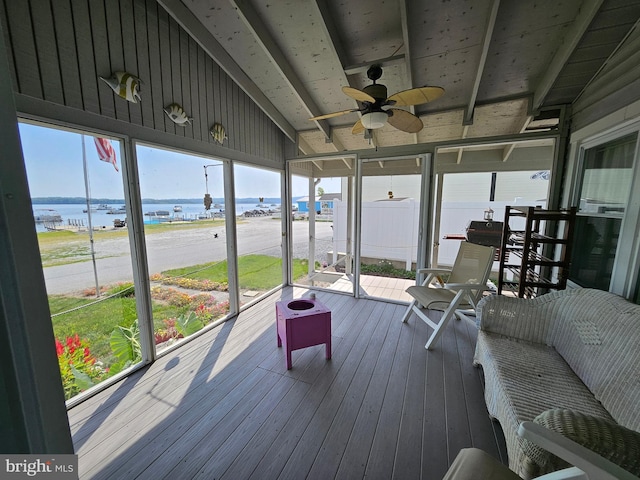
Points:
x=224 y=405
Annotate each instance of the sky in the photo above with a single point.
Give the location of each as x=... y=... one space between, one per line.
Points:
x=53 y=160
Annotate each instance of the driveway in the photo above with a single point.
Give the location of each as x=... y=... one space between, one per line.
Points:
x=181 y=248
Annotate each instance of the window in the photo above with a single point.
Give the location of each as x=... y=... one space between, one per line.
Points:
x=81 y=223
x=258 y=209
x=604 y=187
x=185 y=236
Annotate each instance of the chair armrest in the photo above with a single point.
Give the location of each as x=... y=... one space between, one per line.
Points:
x=602 y=437
x=432 y=273
x=595 y=466
x=433 y=270
x=520 y=318
x=465 y=286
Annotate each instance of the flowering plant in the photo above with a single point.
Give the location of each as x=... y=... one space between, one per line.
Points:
x=169 y=333
x=78 y=368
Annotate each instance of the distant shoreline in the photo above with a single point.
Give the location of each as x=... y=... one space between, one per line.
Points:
x=146 y=201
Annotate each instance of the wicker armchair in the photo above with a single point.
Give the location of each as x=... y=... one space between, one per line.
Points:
x=474 y=464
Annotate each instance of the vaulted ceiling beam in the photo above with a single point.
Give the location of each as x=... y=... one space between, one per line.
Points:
x=271 y=49
x=486 y=43
x=586 y=14
x=407 y=57
x=333 y=34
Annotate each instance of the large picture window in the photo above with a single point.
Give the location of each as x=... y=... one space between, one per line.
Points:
x=258 y=210
x=185 y=234
x=78 y=198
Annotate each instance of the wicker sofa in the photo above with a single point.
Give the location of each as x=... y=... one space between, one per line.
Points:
x=569 y=360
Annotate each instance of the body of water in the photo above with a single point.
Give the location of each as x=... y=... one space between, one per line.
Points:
x=104 y=216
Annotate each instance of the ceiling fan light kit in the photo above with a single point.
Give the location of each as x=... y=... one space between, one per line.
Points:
x=373 y=98
x=373 y=120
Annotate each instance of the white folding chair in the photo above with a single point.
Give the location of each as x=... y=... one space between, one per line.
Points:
x=463 y=289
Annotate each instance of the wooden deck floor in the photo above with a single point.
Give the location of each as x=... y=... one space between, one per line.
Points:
x=224 y=406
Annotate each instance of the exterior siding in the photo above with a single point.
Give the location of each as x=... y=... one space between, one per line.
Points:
x=616 y=86
x=58 y=49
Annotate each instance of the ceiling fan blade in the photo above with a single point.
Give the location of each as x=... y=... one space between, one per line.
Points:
x=334 y=114
x=358 y=95
x=416 y=96
x=358 y=127
x=405 y=121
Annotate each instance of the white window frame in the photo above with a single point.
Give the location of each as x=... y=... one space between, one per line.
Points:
x=626 y=265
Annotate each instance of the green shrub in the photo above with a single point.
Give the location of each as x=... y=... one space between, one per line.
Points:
x=385 y=268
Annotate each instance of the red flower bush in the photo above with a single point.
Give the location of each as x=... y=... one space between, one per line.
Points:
x=78 y=368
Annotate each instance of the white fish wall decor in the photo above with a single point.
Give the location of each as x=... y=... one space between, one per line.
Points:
x=125 y=85
x=218 y=133
x=177 y=115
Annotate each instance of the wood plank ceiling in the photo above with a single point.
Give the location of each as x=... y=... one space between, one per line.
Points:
x=505 y=66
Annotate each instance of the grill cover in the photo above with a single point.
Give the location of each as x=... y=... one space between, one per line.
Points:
x=483 y=232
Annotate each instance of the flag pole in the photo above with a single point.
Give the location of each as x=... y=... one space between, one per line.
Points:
x=88 y=198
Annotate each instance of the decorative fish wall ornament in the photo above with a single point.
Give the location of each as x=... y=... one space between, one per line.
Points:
x=218 y=133
x=125 y=85
x=177 y=115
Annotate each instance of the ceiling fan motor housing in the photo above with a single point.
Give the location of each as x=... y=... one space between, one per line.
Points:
x=377 y=91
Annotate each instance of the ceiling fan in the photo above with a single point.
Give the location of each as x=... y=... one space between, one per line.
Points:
x=377 y=109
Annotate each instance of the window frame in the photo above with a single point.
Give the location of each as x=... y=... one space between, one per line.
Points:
x=626 y=266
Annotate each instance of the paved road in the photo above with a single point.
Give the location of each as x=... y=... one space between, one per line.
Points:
x=183 y=248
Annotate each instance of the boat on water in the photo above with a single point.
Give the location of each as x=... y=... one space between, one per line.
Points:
x=177 y=208
x=158 y=213
x=116 y=211
x=47 y=215
x=217 y=205
x=102 y=206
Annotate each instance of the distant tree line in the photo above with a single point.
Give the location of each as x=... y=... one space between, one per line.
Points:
x=177 y=201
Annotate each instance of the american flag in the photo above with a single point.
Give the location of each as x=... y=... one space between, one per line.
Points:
x=106 y=153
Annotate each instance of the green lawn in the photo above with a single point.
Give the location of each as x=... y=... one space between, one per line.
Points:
x=96 y=322
x=255 y=272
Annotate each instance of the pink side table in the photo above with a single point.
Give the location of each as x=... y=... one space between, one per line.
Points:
x=303 y=323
